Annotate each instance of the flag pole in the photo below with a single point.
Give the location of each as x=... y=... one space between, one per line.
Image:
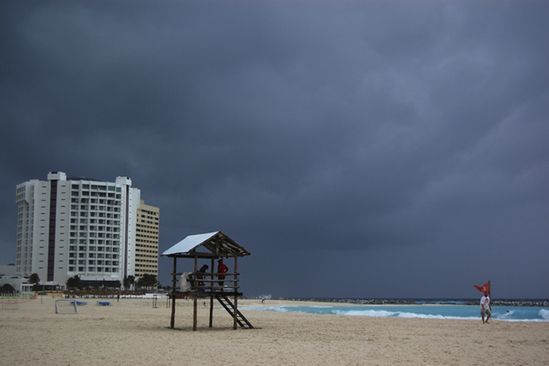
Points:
x=490 y=293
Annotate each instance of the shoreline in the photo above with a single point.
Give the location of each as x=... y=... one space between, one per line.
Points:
x=424 y=301
x=405 y=311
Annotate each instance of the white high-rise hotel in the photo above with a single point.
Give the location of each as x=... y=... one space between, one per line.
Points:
x=77 y=226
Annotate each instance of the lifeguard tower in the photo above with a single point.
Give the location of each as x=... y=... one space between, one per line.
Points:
x=202 y=285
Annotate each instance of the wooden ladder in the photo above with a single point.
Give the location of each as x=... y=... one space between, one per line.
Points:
x=229 y=306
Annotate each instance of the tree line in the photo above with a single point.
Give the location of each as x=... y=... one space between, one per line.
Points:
x=147 y=281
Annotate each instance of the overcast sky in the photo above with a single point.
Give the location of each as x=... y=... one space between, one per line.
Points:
x=356 y=149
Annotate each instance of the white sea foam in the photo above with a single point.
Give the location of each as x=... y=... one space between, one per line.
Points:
x=506 y=316
x=371 y=313
x=523 y=320
x=395 y=314
x=278 y=309
x=431 y=316
x=544 y=314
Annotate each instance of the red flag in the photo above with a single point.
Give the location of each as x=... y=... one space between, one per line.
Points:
x=485 y=287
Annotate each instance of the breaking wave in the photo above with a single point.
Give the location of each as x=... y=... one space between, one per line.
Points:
x=396 y=314
x=520 y=314
x=277 y=309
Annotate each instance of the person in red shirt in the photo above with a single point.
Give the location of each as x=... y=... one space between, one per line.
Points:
x=221 y=270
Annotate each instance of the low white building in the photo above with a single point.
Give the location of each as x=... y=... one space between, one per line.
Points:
x=9 y=276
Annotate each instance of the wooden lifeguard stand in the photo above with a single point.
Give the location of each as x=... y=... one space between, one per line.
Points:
x=211 y=246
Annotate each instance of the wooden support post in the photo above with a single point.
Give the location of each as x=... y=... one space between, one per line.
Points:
x=195 y=310
x=211 y=295
x=174 y=287
x=235 y=310
x=195 y=300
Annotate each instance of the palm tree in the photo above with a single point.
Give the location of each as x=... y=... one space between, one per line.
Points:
x=129 y=281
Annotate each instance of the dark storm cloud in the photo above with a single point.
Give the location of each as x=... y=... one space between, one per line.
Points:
x=357 y=149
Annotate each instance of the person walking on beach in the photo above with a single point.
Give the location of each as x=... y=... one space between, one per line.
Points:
x=485 y=308
x=221 y=270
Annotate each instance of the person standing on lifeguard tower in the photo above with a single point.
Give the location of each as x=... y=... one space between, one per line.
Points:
x=221 y=270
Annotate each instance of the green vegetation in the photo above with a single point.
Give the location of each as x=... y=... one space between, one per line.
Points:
x=148 y=281
x=73 y=283
x=35 y=280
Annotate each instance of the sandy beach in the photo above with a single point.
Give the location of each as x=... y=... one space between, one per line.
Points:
x=132 y=332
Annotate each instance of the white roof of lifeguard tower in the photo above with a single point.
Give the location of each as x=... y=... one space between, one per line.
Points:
x=216 y=243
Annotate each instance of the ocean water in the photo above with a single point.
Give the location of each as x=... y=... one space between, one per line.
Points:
x=507 y=313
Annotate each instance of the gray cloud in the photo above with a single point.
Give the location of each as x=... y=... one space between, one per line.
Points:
x=357 y=149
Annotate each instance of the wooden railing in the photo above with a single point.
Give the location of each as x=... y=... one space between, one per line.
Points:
x=210 y=282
